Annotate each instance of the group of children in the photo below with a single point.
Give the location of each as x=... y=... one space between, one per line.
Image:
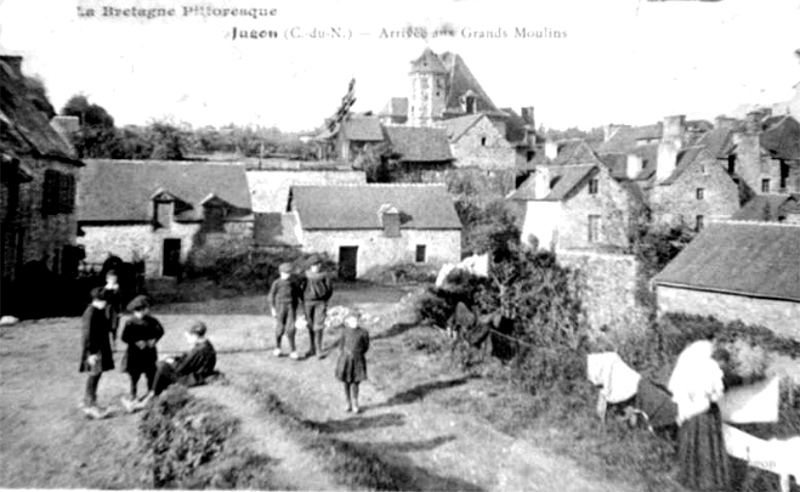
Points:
x=141 y=333
x=314 y=290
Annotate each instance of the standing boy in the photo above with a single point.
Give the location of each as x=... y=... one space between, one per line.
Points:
x=317 y=290
x=114 y=304
x=284 y=295
x=141 y=333
x=96 y=357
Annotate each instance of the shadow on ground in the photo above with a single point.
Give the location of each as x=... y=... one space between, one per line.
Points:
x=396 y=330
x=353 y=424
x=419 y=392
x=411 y=446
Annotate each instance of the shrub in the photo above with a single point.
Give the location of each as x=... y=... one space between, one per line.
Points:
x=433 y=309
x=187 y=444
x=428 y=341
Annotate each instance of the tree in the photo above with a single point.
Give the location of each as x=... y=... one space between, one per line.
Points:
x=98 y=136
x=379 y=162
x=168 y=141
x=489 y=229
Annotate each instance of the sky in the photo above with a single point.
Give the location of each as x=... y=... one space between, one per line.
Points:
x=621 y=61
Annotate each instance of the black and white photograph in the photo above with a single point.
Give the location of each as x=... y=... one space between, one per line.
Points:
x=442 y=245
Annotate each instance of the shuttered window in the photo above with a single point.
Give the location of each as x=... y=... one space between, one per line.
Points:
x=58 y=193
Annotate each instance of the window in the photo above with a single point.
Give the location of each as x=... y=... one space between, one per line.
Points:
x=765 y=185
x=483 y=141
x=731 y=164
x=420 y=255
x=700 y=193
x=162 y=213
x=645 y=162
x=699 y=223
x=593 y=186
x=470 y=104
x=530 y=155
x=58 y=193
x=784 y=175
x=594 y=228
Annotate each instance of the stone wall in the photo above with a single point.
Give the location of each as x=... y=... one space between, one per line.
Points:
x=484 y=147
x=611 y=202
x=44 y=236
x=269 y=189
x=377 y=251
x=143 y=242
x=608 y=285
x=779 y=316
x=488 y=184
x=678 y=204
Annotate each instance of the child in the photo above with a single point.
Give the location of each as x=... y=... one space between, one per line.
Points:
x=351 y=368
x=190 y=368
x=141 y=333
x=283 y=298
x=96 y=356
x=114 y=306
x=316 y=293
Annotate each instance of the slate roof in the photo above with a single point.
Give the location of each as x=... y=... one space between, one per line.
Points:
x=686 y=157
x=563 y=181
x=625 y=138
x=457 y=127
x=460 y=80
x=363 y=128
x=356 y=207
x=742 y=258
x=428 y=62
x=782 y=138
x=575 y=151
x=24 y=129
x=122 y=191
x=768 y=207
x=717 y=141
x=419 y=144
x=275 y=229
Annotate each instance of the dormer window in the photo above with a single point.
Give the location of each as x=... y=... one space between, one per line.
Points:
x=163 y=209
x=215 y=210
x=470 y=104
x=390 y=220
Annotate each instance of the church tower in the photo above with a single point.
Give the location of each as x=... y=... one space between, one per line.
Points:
x=428 y=80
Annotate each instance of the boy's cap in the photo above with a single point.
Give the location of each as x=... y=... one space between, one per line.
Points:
x=285 y=268
x=111 y=272
x=99 y=294
x=198 y=328
x=314 y=260
x=138 y=303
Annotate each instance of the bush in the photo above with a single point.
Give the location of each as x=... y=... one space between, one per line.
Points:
x=188 y=444
x=433 y=309
x=428 y=341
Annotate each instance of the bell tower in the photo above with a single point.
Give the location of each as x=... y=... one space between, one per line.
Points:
x=428 y=88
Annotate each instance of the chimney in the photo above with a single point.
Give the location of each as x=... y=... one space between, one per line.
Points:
x=390 y=220
x=674 y=129
x=527 y=116
x=14 y=62
x=724 y=122
x=667 y=159
x=748 y=153
x=633 y=166
x=66 y=125
x=541 y=182
x=609 y=131
x=752 y=121
x=551 y=149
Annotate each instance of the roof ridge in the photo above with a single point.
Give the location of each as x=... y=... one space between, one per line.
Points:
x=756 y=223
x=371 y=185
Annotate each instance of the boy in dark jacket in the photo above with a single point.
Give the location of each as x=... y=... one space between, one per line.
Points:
x=96 y=356
x=190 y=368
x=284 y=296
x=317 y=290
x=141 y=333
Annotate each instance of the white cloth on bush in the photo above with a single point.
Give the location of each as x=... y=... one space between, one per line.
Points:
x=619 y=382
x=696 y=380
x=752 y=403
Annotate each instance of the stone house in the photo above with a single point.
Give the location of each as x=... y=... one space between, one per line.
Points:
x=677 y=168
x=162 y=211
x=420 y=150
x=369 y=227
x=576 y=206
x=746 y=271
x=355 y=134
x=477 y=142
x=275 y=225
x=37 y=182
x=765 y=154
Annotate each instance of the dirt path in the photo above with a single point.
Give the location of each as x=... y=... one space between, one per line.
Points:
x=446 y=451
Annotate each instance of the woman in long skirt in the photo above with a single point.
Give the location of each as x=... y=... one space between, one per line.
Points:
x=696 y=385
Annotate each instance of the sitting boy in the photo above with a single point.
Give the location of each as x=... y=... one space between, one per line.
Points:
x=190 y=368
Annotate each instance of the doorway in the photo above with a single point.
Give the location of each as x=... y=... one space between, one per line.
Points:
x=348 y=266
x=172 y=258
